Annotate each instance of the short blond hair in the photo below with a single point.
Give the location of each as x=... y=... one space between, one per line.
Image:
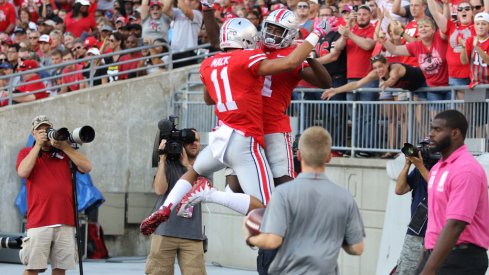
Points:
x=315 y=146
x=426 y=20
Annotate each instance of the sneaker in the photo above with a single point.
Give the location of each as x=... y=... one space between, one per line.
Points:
x=362 y=154
x=389 y=155
x=336 y=154
x=149 y=225
x=201 y=189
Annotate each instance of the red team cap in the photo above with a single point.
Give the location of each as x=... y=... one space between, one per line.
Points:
x=90 y=42
x=28 y=65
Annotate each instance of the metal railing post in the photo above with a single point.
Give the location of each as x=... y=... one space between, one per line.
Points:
x=353 y=127
x=92 y=72
x=410 y=108
x=301 y=113
x=10 y=94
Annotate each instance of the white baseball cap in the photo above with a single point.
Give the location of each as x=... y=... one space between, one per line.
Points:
x=482 y=16
x=94 y=51
x=83 y=2
x=44 y=38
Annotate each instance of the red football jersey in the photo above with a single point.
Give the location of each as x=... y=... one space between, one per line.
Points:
x=455 y=68
x=412 y=30
x=233 y=83
x=432 y=62
x=357 y=58
x=277 y=93
x=478 y=68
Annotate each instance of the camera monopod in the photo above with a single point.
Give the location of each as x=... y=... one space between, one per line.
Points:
x=77 y=222
x=81 y=135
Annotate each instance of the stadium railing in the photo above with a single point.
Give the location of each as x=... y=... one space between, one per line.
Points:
x=369 y=126
x=52 y=88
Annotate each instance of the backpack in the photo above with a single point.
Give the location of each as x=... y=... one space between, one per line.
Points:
x=96 y=248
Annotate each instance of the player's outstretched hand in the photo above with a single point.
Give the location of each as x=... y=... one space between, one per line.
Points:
x=323 y=28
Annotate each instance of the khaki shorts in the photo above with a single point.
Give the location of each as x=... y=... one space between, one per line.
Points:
x=56 y=244
x=161 y=259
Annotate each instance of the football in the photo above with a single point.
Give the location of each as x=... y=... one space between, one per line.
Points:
x=253 y=220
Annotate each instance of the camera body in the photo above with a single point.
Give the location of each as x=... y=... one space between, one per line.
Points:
x=430 y=158
x=175 y=139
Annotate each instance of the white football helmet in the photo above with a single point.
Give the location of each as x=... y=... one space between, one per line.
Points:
x=238 y=33
x=284 y=19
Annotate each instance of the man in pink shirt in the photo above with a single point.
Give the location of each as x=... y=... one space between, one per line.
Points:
x=457 y=236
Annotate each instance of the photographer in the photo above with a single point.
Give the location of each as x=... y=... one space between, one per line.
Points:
x=415 y=182
x=50 y=214
x=178 y=236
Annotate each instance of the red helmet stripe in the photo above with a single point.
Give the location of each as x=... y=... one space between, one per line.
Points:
x=224 y=30
x=279 y=15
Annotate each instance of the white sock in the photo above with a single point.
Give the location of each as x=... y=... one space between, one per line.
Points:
x=236 y=201
x=228 y=189
x=177 y=193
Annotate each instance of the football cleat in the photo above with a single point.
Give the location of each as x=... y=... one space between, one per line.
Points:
x=149 y=225
x=199 y=192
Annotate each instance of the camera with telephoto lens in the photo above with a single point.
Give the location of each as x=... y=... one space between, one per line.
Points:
x=175 y=139
x=84 y=134
x=429 y=157
x=10 y=241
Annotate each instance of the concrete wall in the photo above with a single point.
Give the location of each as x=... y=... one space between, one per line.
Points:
x=124 y=115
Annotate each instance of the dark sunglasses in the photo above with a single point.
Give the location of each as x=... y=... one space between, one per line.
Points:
x=3 y=60
x=74 y=49
x=477 y=7
x=467 y=8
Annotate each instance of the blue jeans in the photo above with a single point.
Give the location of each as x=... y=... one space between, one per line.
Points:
x=452 y=81
x=365 y=128
x=439 y=95
x=421 y=96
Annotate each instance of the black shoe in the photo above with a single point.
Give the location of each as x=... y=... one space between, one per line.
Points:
x=389 y=155
x=362 y=154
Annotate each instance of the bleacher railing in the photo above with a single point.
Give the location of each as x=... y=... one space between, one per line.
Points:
x=369 y=126
x=15 y=80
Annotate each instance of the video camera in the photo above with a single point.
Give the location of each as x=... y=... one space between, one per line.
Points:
x=175 y=139
x=84 y=134
x=429 y=157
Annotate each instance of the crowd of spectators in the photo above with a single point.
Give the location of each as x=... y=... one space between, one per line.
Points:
x=437 y=38
x=35 y=34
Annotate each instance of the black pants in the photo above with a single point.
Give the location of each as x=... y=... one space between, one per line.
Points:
x=181 y=55
x=264 y=259
x=469 y=259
